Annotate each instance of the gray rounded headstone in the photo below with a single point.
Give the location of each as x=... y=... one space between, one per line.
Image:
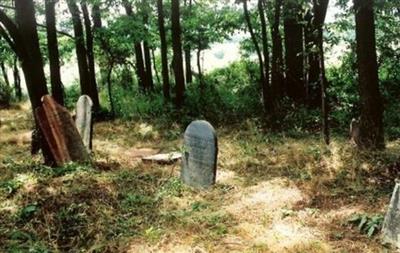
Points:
x=84 y=119
x=199 y=159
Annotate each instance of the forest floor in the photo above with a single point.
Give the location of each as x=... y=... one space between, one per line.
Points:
x=274 y=193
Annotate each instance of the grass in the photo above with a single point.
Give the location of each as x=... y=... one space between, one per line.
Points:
x=274 y=193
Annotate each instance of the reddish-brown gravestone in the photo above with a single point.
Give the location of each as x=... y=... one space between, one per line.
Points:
x=60 y=132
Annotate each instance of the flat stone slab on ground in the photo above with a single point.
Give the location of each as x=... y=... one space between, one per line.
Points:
x=163 y=158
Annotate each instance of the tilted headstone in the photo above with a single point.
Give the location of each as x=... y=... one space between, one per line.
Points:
x=199 y=158
x=391 y=225
x=83 y=120
x=60 y=132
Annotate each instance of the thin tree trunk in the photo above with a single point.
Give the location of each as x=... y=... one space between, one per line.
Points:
x=17 y=80
x=263 y=81
x=320 y=8
x=90 y=56
x=277 y=76
x=187 y=49
x=164 y=49
x=149 y=71
x=81 y=54
x=4 y=72
x=371 y=123
x=54 y=55
x=264 y=37
x=109 y=88
x=140 y=68
x=146 y=47
x=200 y=73
x=177 y=48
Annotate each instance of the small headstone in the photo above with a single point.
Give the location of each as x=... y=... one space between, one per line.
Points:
x=60 y=132
x=391 y=224
x=199 y=159
x=84 y=120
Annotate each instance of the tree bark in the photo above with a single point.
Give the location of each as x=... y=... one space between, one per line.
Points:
x=266 y=87
x=146 y=47
x=277 y=75
x=187 y=49
x=149 y=70
x=26 y=40
x=320 y=8
x=200 y=73
x=263 y=82
x=164 y=49
x=4 y=72
x=17 y=80
x=54 y=55
x=294 y=56
x=371 y=123
x=177 y=48
x=140 y=67
x=90 y=56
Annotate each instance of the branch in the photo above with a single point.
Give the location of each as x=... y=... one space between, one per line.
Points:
x=3 y=33
x=60 y=32
x=7 y=7
x=14 y=34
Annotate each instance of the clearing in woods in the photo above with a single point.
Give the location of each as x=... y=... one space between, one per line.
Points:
x=274 y=193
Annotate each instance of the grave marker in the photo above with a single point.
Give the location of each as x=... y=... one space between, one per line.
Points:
x=199 y=159
x=84 y=120
x=60 y=132
x=391 y=225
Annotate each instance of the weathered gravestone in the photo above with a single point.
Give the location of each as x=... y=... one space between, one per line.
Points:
x=83 y=120
x=199 y=160
x=60 y=132
x=391 y=225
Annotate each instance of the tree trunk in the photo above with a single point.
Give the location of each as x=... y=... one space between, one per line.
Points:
x=149 y=71
x=177 y=48
x=263 y=81
x=90 y=56
x=146 y=47
x=54 y=55
x=27 y=40
x=266 y=89
x=200 y=73
x=277 y=76
x=187 y=49
x=294 y=53
x=164 y=49
x=140 y=67
x=320 y=8
x=4 y=72
x=83 y=66
x=109 y=88
x=371 y=124
x=17 y=80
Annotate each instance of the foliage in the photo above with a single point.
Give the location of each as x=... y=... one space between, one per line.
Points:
x=369 y=225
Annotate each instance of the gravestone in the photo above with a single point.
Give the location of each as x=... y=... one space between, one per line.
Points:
x=199 y=159
x=391 y=225
x=60 y=132
x=84 y=120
